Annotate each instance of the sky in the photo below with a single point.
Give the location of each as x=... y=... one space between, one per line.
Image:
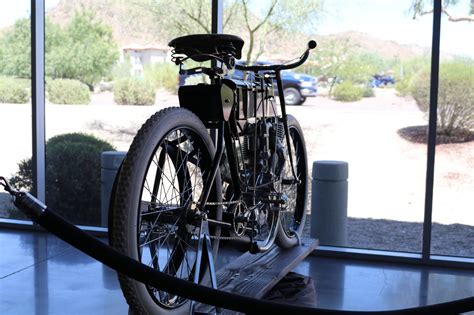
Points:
x=385 y=19
x=391 y=19
x=11 y=10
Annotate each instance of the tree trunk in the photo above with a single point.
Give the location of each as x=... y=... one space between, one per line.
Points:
x=332 y=86
x=249 y=52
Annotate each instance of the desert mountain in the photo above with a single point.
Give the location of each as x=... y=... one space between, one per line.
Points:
x=134 y=23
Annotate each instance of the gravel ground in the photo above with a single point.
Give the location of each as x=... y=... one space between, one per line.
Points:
x=447 y=239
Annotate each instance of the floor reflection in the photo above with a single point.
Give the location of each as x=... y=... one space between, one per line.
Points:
x=40 y=274
x=369 y=286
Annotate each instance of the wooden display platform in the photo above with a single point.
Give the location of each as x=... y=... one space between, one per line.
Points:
x=254 y=275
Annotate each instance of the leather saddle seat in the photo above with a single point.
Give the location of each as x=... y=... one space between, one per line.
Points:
x=199 y=47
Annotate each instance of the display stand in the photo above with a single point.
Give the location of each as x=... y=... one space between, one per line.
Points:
x=254 y=275
x=204 y=247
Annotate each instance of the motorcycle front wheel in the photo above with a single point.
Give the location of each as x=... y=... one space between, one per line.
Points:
x=156 y=215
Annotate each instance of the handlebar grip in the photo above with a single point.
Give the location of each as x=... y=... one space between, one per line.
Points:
x=312 y=44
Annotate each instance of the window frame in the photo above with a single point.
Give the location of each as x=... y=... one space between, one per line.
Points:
x=423 y=258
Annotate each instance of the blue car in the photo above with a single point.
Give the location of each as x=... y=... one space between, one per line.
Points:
x=382 y=80
x=296 y=86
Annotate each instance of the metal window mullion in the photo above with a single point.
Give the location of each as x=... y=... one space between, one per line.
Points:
x=430 y=164
x=217 y=16
x=217 y=13
x=37 y=98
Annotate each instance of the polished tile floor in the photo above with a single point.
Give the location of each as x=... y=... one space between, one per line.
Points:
x=40 y=274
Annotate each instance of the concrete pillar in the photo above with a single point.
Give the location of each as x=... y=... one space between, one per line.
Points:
x=329 y=202
x=110 y=163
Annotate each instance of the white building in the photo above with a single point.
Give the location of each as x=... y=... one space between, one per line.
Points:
x=140 y=56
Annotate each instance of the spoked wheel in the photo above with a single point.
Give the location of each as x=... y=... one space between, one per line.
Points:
x=293 y=214
x=156 y=218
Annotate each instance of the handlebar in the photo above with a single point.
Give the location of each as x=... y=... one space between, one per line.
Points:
x=311 y=45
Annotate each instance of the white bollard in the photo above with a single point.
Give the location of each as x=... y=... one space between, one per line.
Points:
x=110 y=164
x=329 y=202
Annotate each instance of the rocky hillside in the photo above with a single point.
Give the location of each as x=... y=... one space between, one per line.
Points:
x=134 y=23
x=386 y=49
x=131 y=24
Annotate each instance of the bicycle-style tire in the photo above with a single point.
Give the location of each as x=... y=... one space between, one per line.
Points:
x=155 y=207
x=292 y=218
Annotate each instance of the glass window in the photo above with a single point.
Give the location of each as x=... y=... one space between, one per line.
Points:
x=15 y=100
x=106 y=73
x=363 y=111
x=453 y=220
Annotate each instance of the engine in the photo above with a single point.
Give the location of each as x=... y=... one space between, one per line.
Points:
x=263 y=152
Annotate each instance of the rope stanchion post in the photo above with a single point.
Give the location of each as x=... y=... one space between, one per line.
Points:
x=329 y=202
x=110 y=164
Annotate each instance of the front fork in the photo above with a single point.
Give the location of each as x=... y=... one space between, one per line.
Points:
x=285 y=123
x=215 y=165
x=224 y=141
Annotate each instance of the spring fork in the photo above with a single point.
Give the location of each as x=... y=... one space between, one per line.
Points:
x=285 y=122
x=215 y=165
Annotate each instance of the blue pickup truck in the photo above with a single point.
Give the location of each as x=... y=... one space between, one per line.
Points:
x=296 y=86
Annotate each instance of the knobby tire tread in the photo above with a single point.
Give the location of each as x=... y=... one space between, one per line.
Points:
x=120 y=215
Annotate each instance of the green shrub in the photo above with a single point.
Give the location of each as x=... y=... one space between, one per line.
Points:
x=406 y=69
x=347 y=92
x=73 y=175
x=121 y=70
x=24 y=177
x=403 y=87
x=66 y=91
x=358 y=67
x=133 y=91
x=162 y=76
x=368 y=91
x=14 y=90
x=455 y=95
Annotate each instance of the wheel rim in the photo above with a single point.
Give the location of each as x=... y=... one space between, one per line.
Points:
x=291 y=218
x=168 y=228
x=291 y=96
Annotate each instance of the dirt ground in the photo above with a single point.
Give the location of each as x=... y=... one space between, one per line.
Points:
x=386 y=173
